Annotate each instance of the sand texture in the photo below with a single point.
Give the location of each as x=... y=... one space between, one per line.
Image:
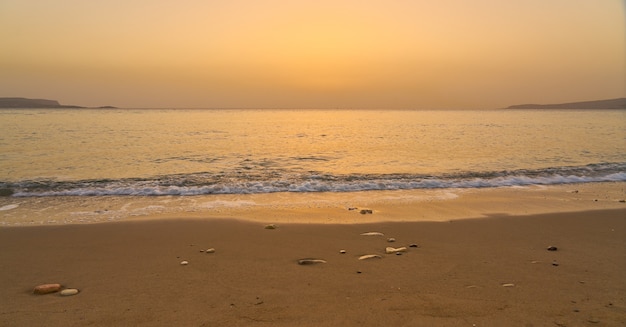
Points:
x=485 y=272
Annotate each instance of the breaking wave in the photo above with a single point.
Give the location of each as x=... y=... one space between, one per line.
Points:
x=272 y=181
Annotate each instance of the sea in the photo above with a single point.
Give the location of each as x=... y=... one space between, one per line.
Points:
x=76 y=155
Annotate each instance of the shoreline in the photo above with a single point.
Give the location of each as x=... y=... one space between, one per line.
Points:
x=326 y=208
x=491 y=271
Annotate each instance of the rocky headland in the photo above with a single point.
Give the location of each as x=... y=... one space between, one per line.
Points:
x=619 y=103
x=36 y=103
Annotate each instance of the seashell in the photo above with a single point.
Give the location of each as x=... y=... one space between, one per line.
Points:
x=46 y=288
x=184 y=263
x=211 y=250
x=310 y=261
x=271 y=226
x=508 y=285
x=369 y=256
x=70 y=291
x=390 y=250
x=372 y=234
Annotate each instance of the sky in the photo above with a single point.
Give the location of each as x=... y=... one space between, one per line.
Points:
x=413 y=54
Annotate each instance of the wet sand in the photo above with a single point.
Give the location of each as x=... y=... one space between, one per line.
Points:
x=129 y=273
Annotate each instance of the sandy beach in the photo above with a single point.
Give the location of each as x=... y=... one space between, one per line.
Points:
x=492 y=270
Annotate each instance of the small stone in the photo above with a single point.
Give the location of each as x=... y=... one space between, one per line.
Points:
x=211 y=250
x=390 y=250
x=622 y=201
x=342 y=251
x=201 y=250
x=372 y=234
x=271 y=226
x=391 y=240
x=310 y=261
x=184 y=263
x=369 y=256
x=353 y=208
x=366 y=211
x=554 y=263
x=46 y=288
x=69 y=292
x=552 y=248
x=508 y=285
x=413 y=245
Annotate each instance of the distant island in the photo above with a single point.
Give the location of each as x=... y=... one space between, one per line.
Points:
x=38 y=103
x=619 y=103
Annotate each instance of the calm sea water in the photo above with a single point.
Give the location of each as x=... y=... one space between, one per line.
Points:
x=53 y=152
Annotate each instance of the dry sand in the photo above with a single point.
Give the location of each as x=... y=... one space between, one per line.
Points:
x=129 y=272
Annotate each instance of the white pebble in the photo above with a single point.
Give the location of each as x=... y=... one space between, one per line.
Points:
x=184 y=263
x=508 y=285
x=372 y=234
x=369 y=256
x=390 y=250
x=69 y=291
x=211 y=250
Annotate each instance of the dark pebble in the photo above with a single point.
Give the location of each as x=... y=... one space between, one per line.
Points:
x=552 y=248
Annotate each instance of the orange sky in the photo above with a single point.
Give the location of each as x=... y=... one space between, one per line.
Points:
x=313 y=54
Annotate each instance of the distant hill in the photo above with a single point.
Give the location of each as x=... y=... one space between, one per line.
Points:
x=31 y=103
x=37 y=103
x=619 y=103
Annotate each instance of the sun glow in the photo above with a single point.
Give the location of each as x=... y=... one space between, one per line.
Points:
x=280 y=53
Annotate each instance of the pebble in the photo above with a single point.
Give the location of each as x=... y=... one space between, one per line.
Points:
x=184 y=263
x=69 y=291
x=508 y=285
x=391 y=240
x=211 y=250
x=366 y=211
x=342 y=251
x=390 y=250
x=554 y=263
x=271 y=226
x=372 y=234
x=369 y=256
x=310 y=261
x=46 y=288
x=552 y=248
x=413 y=245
